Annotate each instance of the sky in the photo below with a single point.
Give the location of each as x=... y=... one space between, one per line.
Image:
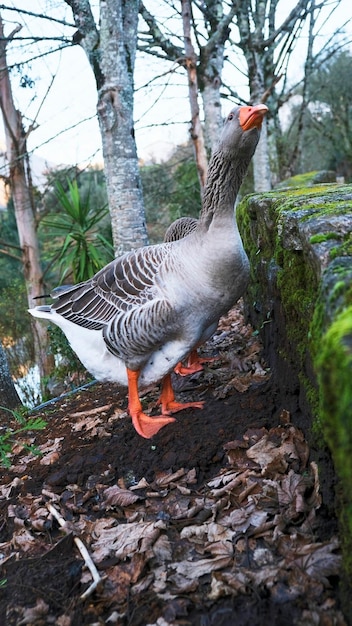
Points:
x=67 y=130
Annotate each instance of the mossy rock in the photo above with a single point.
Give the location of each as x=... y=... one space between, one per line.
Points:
x=299 y=242
x=309 y=178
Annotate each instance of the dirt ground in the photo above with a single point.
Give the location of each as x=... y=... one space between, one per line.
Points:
x=218 y=520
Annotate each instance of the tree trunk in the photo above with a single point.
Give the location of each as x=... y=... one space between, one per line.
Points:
x=257 y=59
x=261 y=164
x=203 y=68
x=16 y=152
x=303 y=109
x=196 y=130
x=8 y=395
x=111 y=53
x=210 y=67
x=213 y=118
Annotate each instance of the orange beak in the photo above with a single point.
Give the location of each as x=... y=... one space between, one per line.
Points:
x=251 y=117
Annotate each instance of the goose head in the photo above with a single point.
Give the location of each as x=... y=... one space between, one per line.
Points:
x=241 y=131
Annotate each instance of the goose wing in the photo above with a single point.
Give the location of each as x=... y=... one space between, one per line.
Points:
x=126 y=283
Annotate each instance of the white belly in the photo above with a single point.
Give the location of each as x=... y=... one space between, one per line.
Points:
x=90 y=347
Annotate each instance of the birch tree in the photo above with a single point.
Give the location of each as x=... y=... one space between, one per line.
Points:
x=111 y=52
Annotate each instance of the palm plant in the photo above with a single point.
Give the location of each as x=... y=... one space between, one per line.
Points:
x=84 y=249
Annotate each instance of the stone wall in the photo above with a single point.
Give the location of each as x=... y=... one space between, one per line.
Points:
x=299 y=242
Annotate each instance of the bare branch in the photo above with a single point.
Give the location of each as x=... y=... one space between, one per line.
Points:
x=10 y=245
x=33 y=14
x=33 y=38
x=38 y=56
x=299 y=12
x=82 y=548
x=158 y=38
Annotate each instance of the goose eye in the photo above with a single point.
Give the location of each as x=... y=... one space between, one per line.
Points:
x=230 y=117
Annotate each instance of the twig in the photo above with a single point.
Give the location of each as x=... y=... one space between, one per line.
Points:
x=83 y=550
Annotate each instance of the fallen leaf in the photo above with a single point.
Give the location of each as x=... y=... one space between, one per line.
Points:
x=122 y=540
x=114 y=496
x=32 y=614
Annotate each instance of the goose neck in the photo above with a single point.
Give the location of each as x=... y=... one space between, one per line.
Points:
x=223 y=183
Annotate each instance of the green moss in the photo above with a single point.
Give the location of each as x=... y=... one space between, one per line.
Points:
x=333 y=363
x=321 y=200
x=298 y=285
x=345 y=249
x=321 y=237
x=300 y=180
x=317 y=312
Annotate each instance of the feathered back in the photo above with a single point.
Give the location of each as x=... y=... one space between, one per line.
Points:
x=180 y=228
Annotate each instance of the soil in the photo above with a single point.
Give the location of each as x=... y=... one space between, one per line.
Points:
x=190 y=527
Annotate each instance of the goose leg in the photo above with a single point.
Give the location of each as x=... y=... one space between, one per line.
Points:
x=194 y=364
x=145 y=426
x=167 y=399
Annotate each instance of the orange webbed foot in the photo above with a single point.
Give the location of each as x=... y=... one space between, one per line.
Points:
x=186 y=370
x=147 y=426
x=168 y=402
x=194 y=364
x=173 y=407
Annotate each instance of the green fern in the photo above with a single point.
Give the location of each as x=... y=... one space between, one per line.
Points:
x=10 y=437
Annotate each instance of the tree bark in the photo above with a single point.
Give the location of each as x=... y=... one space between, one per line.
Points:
x=303 y=109
x=111 y=53
x=196 y=130
x=19 y=176
x=9 y=397
x=210 y=67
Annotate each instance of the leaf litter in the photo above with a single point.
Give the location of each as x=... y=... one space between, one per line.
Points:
x=218 y=518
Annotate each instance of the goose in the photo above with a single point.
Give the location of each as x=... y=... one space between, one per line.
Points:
x=145 y=311
x=178 y=229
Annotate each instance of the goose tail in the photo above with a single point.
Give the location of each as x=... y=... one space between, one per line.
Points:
x=43 y=311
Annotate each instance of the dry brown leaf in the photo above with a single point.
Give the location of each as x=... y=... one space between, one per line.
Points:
x=320 y=562
x=86 y=424
x=234 y=481
x=166 y=478
x=197 y=533
x=35 y=613
x=241 y=519
x=50 y=458
x=226 y=584
x=241 y=383
x=291 y=489
x=114 y=496
x=51 y=445
x=223 y=547
x=6 y=491
x=98 y=409
x=265 y=452
x=162 y=549
x=238 y=458
x=222 y=479
x=142 y=484
x=181 y=585
x=64 y=620
x=193 y=570
x=23 y=540
x=122 y=540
